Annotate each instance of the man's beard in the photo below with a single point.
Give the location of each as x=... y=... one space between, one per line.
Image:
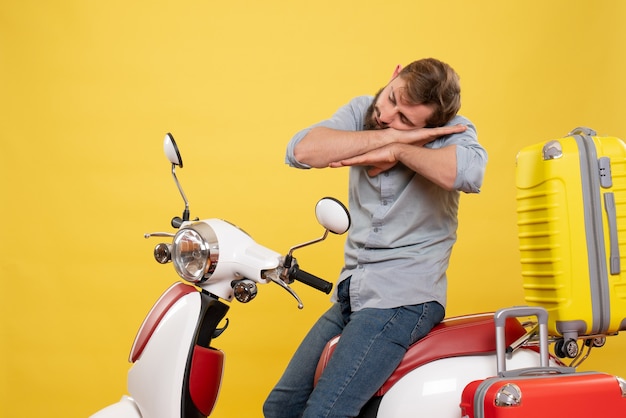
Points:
x=370 y=120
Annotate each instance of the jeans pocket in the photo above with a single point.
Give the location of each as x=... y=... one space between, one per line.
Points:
x=430 y=314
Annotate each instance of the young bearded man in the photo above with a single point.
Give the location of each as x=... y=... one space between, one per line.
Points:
x=410 y=155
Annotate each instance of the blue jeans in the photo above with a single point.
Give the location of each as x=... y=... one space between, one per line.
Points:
x=372 y=344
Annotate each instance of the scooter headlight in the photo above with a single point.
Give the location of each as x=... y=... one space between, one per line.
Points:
x=195 y=252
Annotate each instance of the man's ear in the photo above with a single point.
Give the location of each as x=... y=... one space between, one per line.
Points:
x=396 y=71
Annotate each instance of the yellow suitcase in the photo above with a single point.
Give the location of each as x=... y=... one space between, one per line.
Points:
x=571 y=211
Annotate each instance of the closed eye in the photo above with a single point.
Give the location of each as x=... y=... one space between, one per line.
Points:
x=403 y=118
x=406 y=121
x=392 y=96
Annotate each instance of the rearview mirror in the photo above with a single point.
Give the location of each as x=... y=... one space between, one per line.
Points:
x=333 y=215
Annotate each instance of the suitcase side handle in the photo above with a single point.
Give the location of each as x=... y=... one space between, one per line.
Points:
x=582 y=130
x=515 y=312
x=538 y=371
x=611 y=215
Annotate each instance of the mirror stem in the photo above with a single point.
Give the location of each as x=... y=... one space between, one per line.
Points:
x=289 y=257
x=182 y=193
x=322 y=238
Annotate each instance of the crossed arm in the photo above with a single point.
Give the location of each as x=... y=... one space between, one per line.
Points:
x=382 y=149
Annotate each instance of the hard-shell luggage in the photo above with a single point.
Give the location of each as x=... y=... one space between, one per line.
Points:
x=542 y=391
x=571 y=210
x=584 y=394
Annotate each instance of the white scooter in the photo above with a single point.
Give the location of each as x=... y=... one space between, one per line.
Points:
x=176 y=372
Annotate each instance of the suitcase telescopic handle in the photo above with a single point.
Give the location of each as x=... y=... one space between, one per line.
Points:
x=500 y=318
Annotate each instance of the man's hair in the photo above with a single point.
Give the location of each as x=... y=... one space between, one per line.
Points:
x=432 y=82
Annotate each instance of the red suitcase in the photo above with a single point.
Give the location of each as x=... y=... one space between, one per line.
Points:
x=542 y=391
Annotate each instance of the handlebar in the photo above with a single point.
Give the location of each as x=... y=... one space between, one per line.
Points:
x=292 y=272
x=310 y=279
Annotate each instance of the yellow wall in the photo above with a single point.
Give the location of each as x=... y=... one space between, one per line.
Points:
x=89 y=88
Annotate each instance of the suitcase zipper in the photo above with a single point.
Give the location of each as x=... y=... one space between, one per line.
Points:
x=598 y=276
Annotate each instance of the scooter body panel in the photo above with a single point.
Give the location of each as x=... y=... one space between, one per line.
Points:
x=155 y=380
x=125 y=408
x=434 y=389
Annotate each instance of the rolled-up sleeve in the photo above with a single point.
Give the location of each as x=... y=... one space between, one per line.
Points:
x=290 y=157
x=471 y=162
x=471 y=157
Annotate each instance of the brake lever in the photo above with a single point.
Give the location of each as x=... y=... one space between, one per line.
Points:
x=276 y=279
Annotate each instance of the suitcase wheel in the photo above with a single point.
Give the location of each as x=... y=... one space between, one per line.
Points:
x=567 y=348
x=595 y=342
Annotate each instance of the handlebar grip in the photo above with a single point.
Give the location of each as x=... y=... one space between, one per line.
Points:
x=311 y=280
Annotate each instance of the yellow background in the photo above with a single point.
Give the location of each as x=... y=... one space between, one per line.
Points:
x=89 y=88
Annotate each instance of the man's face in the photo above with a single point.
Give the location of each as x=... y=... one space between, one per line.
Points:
x=390 y=109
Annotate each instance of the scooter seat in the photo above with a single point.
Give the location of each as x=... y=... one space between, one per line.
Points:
x=453 y=337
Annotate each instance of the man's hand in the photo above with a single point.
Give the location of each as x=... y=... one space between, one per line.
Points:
x=437 y=165
x=423 y=136
x=380 y=160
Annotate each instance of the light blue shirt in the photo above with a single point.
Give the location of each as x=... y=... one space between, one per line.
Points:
x=403 y=225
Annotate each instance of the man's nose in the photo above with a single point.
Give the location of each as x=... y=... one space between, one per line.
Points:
x=387 y=115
